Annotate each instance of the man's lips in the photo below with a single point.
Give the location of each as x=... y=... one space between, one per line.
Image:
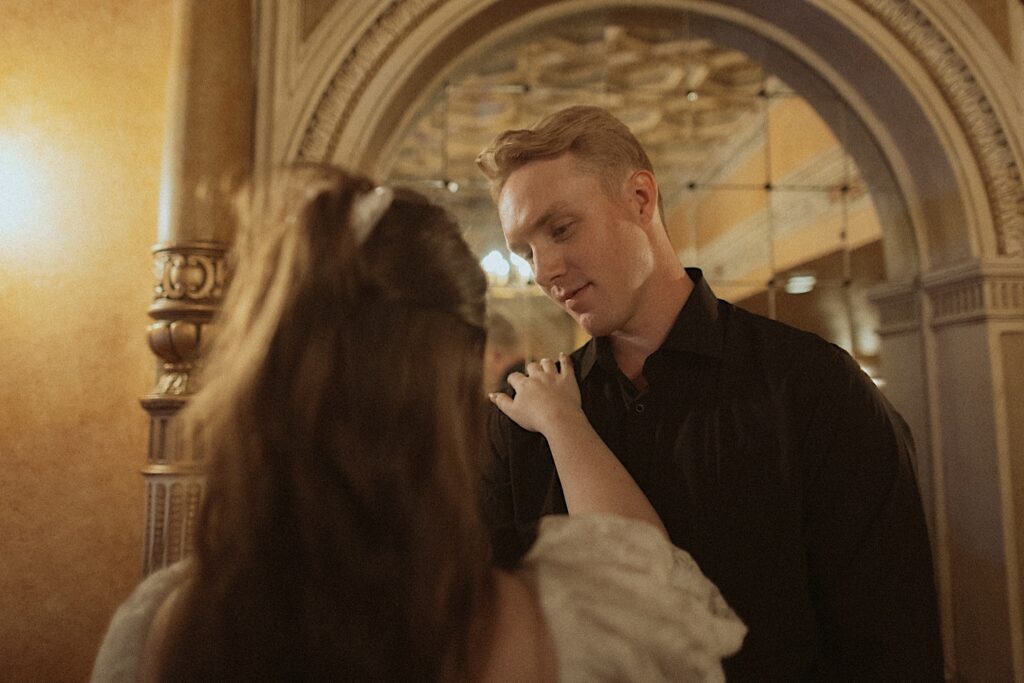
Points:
x=571 y=295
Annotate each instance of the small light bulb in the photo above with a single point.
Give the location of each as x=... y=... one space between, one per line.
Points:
x=496 y=267
x=522 y=268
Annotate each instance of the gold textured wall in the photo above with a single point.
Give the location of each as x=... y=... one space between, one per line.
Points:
x=82 y=109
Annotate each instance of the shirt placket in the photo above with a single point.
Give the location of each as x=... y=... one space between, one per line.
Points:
x=638 y=429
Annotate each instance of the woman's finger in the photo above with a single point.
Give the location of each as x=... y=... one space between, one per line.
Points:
x=515 y=380
x=503 y=401
x=566 y=364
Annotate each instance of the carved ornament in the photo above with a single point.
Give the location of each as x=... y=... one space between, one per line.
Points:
x=350 y=81
x=1001 y=172
x=987 y=291
x=189 y=276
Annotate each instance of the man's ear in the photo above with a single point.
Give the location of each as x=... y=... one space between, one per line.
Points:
x=643 y=192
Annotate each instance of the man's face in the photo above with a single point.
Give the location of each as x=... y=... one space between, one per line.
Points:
x=590 y=251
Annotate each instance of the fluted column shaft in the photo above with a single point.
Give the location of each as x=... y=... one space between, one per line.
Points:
x=208 y=148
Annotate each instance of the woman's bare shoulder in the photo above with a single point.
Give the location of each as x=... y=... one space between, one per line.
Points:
x=156 y=639
x=521 y=647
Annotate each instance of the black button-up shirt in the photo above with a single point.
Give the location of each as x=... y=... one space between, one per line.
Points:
x=774 y=461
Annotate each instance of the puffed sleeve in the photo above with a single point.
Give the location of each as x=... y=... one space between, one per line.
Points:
x=119 y=655
x=623 y=604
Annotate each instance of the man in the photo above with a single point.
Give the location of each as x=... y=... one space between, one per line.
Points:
x=768 y=454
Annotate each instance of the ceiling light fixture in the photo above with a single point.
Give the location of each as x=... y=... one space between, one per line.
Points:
x=800 y=283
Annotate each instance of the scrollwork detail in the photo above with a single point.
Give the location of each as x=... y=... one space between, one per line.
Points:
x=351 y=79
x=173 y=383
x=189 y=276
x=190 y=281
x=1001 y=172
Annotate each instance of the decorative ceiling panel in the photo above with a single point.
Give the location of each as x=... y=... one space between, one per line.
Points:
x=686 y=99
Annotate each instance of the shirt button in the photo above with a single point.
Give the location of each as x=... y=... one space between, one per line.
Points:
x=639 y=408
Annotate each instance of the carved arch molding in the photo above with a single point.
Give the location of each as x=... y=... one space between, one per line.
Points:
x=966 y=98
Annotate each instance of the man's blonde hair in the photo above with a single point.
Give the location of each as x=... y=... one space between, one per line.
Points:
x=599 y=142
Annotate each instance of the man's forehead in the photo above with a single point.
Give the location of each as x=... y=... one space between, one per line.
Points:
x=538 y=183
x=534 y=213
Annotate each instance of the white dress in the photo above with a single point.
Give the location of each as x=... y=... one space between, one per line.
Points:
x=621 y=604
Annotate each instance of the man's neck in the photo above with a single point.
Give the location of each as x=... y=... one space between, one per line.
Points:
x=649 y=328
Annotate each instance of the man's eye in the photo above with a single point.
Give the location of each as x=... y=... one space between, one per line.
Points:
x=560 y=231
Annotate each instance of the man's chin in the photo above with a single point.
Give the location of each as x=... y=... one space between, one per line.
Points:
x=592 y=325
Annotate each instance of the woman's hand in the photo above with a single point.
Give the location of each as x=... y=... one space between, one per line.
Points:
x=593 y=480
x=547 y=396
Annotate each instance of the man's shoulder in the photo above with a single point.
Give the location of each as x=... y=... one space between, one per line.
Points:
x=758 y=334
x=505 y=433
x=757 y=346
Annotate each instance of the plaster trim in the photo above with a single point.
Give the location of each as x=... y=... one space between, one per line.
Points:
x=981 y=291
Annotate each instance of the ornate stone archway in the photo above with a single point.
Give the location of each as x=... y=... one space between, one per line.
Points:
x=338 y=81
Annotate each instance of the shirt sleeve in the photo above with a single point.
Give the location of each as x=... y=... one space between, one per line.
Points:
x=624 y=604
x=867 y=544
x=119 y=654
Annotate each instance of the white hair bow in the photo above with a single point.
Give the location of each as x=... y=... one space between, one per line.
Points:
x=368 y=209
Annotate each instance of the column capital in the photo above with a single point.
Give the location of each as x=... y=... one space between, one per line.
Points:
x=899 y=306
x=981 y=290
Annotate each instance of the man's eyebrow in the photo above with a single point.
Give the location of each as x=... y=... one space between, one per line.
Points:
x=554 y=212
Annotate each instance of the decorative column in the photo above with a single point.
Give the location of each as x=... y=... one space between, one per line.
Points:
x=953 y=360
x=190 y=279
x=975 y=321
x=209 y=145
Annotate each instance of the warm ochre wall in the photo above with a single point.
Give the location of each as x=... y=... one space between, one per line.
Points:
x=82 y=111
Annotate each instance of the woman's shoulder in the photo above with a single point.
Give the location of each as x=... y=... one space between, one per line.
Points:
x=520 y=645
x=125 y=641
x=622 y=603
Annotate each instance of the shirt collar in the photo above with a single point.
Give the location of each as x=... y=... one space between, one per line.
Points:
x=697 y=329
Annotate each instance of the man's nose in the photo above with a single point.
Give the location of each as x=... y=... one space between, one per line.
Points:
x=548 y=266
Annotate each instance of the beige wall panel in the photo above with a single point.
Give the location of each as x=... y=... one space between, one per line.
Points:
x=796 y=134
x=678 y=225
x=720 y=210
x=981 y=621
x=753 y=170
x=81 y=130
x=1011 y=347
x=796 y=247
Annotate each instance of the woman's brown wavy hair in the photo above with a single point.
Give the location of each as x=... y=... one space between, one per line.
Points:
x=339 y=538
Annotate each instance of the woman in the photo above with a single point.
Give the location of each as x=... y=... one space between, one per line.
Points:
x=339 y=537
